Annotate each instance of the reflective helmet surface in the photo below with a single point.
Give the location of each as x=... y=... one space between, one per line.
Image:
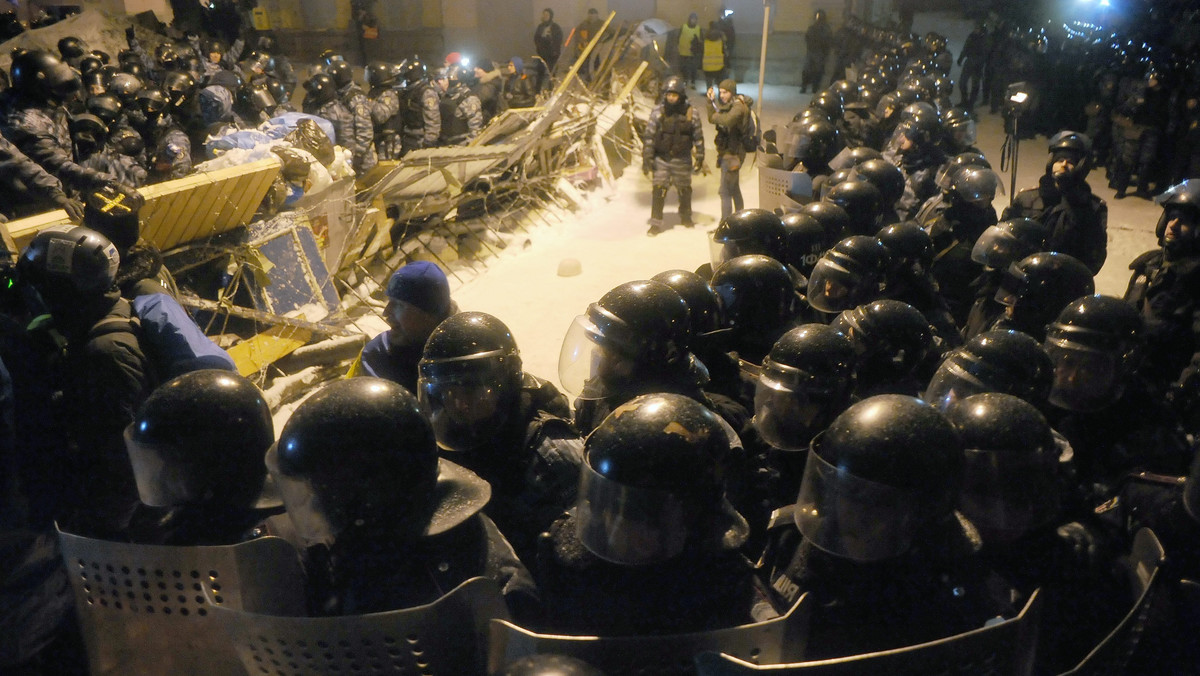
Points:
x=749 y=231
x=757 y=294
x=848 y=275
x=1010 y=362
x=862 y=201
x=704 y=307
x=806 y=380
x=1092 y=345
x=653 y=483
x=69 y=261
x=1039 y=286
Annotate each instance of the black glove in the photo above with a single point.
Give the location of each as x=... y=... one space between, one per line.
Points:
x=130 y=36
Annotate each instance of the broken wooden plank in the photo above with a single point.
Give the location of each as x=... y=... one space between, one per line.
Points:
x=259 y=352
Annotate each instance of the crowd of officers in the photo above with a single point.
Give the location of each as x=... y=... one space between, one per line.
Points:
x=892 y=399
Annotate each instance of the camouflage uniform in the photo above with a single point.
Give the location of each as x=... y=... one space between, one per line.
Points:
x=43 y=135
x=361 y=141
x=462 y=116
x=421 y=117
x=126 y=169
x=25 y=187
x=169 y=148
x=673 y=136
x=385 y=114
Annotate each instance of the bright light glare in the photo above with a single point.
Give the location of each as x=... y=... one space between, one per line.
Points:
x=1019 y=97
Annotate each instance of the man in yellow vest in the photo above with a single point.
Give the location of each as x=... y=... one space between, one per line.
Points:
x=690 y=46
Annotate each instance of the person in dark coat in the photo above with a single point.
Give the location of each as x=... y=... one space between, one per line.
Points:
x=520 y=91
x=418 y=300
x=730 y=116
x=488 y=88
x=548 y=39
x=818 y=41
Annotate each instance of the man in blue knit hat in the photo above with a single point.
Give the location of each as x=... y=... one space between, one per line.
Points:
x=418 y=300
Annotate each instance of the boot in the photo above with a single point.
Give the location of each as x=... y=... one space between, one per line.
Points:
x=685 y=207
x=658 y=198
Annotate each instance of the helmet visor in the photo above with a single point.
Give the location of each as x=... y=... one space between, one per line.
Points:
x=952 y=383
x=852 y=517
x=627 y=525
x=582 y=360
x=303 y=506
x=721 y=251
x=1085 y=379
x=998 y=247
x=1005 y=498
x=162 y=479
x=790 y=406
x=466 y=407
x=832 y=288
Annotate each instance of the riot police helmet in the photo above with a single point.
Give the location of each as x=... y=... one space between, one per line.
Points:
x=862 y=201
x=469 y=379
x=829 y=102
x=974 y=187
x=806 y=380
x=863 y=154
x=814 y=144
x=153 y=102
x=653 y=483
x=885 y=176
x=757 y=295
x=806 y=241
x=961 y=127
x=392 y=484
x=1181 y=204
x=179 y=88
x=887 y=334
x=71 y=47
x=884 y=469
x=1004 y=361
x=704 y=306
x=1009 y=241
x=69 y=265
x=1036 y=288
x=849 y=274
x=1074 y=147
x=1092 y=344
x=968 y=159
x=125 y=86
x=380 y=74
x=908 y=244
x=320 y=89
x=42 y=77
x=105 y=106
x=832 y=218
x=748 y=231
x=341 y=73
x=200 y=438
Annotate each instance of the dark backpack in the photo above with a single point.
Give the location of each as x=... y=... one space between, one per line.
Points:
x=171 y=340
x=752 y=130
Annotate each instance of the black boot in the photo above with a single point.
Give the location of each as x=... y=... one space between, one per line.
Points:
x=685 y=207
x=658 y=198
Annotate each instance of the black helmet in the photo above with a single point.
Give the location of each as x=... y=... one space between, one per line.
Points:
x=341 y=73
x=127 y=141
x=848 y=275
x=1075 y=146
x=330 y=57
x=88 y=132
x=380 y=74
x=806 y=380
x=1092 y=345
x=806 y=240
x=125 y=86
x=637 y=325
x=256 y=97
x=832 y=218
x=1008 y=485
x=213 y=46
x=815 y=143
x=470 y=379
x=71 y=47
x=1009 y=241
x=974 y=186
x=413 y=72
x=961 y=127
x=320 y=90
x=107 y=107
x=392 y=484
x=887 y=334
x=277 y=90
x=908 y=244
x=653 y=483
x=1179 y=201
x=179 y=88
x=42 y=77
x=757 y=295
x=704 y=306
x=919 y=110
x=68 y=264
x=675 y=84
x=864 y=154
x=862 y=201
x=922 y=131
x=135 y=69
x=828 y=102
x=884 y=468
x=850 y=92
x=152 y=101
x=181 y=455
x=993 y=361
x=832 y=180
x=165 y=56
x=90 y=64
x=1038 y=287
x=749 y=231
x=946 y=174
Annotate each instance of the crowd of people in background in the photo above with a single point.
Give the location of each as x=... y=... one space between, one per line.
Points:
x=891 y=398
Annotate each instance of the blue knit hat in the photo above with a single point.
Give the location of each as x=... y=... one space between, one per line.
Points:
x=421 y=284
x=519 y=64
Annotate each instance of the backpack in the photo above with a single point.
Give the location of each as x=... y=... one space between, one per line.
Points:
x=169 y=337
x=752 y=130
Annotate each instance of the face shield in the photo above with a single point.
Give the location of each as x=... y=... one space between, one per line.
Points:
x=851 y=517
x=964 y=133
x=640 y=526
x=1005 y=497
x=586 y=365
x=468 y=400
x=163 y=480
x=945 y=175
x=1085 y=379
x=790 y=405
x=1010 y=286
x=998 y=248
x=833 y=288
x=722 y=251
x=303 y=506
x=952 y=383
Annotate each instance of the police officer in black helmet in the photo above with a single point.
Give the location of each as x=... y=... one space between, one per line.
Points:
x=508 y=426
x=674 y=136
x=873 y=535
x=1064 y=203
x=207 y=479
x=651 y=546
x=391 y=525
